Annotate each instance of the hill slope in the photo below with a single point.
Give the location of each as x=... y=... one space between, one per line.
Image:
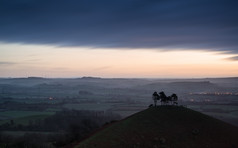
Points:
x=166 y=127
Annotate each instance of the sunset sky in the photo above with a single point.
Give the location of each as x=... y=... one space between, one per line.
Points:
x=126 y=38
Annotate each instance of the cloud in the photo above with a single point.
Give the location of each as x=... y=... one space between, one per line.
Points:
x=169 y=24
x=234 y=58
x=6 y=63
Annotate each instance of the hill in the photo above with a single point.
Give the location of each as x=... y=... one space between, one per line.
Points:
x=165 y=127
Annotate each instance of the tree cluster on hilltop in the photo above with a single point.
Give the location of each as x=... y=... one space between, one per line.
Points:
x=165 y=100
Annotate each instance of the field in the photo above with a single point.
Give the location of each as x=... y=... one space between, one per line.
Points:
x=123 y=109
x=22 y=117
x=22 y=133
x=89 y=106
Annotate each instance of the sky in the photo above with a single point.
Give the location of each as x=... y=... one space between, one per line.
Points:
x=126 y=38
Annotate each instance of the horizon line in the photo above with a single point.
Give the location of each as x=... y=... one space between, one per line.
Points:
x=94 y=77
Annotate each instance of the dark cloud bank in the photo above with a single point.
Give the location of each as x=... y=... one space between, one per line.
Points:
x=190 y=24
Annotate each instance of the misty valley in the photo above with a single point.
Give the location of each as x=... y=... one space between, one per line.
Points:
x=54 y=112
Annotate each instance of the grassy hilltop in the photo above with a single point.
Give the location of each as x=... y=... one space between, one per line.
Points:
x=165 y=127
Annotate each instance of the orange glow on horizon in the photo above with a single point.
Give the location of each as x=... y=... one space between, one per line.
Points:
x=46 y=61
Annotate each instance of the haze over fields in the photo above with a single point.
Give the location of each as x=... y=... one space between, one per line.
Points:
x=214 y=96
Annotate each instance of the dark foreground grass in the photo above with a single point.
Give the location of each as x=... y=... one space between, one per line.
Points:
x=166 y=127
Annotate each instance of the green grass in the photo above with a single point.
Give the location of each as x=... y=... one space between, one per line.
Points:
x=53 y=109
x=25 y=120
x=19 y=114
x=22 y=133
x=23 y=117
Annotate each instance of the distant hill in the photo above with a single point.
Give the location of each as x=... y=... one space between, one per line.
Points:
x=165 y=127
x=181 y=87
x=88 y=78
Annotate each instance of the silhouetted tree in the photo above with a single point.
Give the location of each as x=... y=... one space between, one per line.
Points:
x=155 y=97
x=163 y=97
x=174 y=98
x=169 y=100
